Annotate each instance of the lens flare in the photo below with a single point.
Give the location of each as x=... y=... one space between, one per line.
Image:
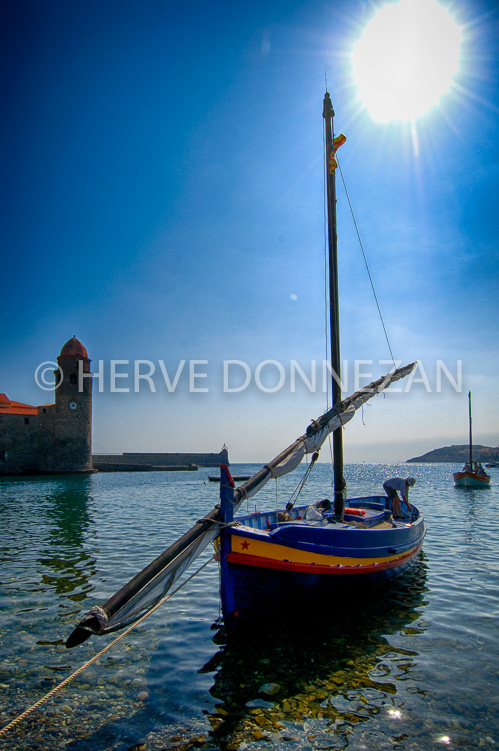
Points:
x=406 y=59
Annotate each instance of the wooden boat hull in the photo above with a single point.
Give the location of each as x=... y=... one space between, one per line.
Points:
x=295 y=565
x=471 y=480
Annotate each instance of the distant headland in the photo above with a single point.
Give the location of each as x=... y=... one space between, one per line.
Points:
x=457 y=454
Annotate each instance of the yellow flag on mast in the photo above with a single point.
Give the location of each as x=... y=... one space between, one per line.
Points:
x=337 y=142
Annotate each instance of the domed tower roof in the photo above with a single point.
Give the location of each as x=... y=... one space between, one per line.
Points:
x=73 y=347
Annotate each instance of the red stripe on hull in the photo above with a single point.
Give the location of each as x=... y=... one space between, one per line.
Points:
x=312 y=568
x=466 y=476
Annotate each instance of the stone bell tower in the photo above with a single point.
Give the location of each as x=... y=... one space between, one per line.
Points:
x=73 y=410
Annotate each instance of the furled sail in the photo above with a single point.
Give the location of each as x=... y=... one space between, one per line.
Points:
x=317 y=432
x=152 y=584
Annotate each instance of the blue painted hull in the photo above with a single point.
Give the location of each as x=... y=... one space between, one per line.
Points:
x=271 y=569
x=276 y=592
x=467 y=479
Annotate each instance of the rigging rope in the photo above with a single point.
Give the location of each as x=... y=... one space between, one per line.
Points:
x=87 y=664
x=301 y=484
x=365 y=258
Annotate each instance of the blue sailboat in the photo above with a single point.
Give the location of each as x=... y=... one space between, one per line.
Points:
x=279 y=560
x=473 y=474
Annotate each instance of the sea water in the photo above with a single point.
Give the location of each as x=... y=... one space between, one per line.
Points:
x=414 y=666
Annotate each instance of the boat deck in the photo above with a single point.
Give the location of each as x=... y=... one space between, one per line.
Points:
x=361 y=513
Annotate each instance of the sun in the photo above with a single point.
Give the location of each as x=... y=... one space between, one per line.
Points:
x=406 y=59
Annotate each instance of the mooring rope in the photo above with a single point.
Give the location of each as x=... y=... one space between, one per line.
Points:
x=87 y=664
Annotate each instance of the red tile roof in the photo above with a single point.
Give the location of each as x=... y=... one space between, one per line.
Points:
x=7 y=407
x=73 y=347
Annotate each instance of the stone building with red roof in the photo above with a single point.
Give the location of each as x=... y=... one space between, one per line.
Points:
x=52 y=438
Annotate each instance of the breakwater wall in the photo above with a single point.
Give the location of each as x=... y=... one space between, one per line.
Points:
x=143 y=462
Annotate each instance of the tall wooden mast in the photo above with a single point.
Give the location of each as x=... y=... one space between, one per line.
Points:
x=470 y=431
x=334 y=308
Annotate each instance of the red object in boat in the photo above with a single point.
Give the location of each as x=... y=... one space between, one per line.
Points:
x=355 y=511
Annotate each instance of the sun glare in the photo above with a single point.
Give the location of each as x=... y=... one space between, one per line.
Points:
x=406 y=59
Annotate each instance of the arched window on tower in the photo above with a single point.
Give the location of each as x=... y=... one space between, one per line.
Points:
x=73 y=379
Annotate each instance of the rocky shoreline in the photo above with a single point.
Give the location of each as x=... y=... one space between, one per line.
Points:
x=458 y=454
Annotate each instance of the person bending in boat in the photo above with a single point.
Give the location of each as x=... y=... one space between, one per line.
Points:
x=393 y=487
x=316 y=511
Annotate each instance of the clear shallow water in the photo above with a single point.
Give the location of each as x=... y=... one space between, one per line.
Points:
x=415 y=667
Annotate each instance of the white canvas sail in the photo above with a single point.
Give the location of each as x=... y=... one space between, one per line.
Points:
x=317 y=433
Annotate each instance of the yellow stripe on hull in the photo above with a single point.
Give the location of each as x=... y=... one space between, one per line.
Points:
x=272 y=551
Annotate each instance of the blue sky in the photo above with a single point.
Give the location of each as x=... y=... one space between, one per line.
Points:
x=163 y=201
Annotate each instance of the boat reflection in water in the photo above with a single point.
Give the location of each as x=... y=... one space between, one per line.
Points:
x=344 y=673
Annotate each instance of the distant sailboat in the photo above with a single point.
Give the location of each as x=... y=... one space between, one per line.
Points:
x=473 y=474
